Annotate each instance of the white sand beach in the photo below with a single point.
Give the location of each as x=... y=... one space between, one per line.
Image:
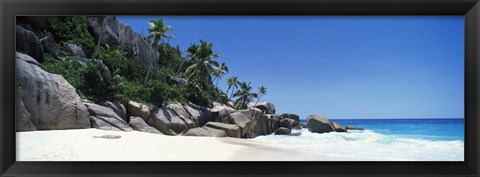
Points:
x=81 y=145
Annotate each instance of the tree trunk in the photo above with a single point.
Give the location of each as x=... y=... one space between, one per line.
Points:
x=258 y=100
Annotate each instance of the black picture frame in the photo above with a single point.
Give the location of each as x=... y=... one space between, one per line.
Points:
x=469 y=8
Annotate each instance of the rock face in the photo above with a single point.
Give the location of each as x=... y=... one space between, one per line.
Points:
x=291 y=116
x=138 y=110
x=139 y=124
x=266 y=107
x=220 y=112
x=118 y=34
x=167 y=122
x=50 y=100
x=206 y=131
x=76 y=50
x=27 y=42
x=117 y=107
x=49 y=46
x=230 y=130
x=319 y=124
x=194 y=115
x=23 y=120
x=288 y=123
x=246 y=123
x=282 y=131
x=107 y=115
x=338 y=127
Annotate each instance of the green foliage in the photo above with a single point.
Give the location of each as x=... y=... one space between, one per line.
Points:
x=119 y=64
x=72 y=29
x=170 y=57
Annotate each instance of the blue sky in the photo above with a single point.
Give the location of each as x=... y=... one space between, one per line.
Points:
x=338 y=66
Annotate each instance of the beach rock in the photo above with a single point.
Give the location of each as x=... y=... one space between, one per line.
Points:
x=266 y=107
x=200 y=115
x=76 y=50
x=27 y=42
x=139 y=124
x=23 y=120
x=117 y=107
x=138 y=110
x=230 y=129
x=246 y=123
x=351 y=127
x=220 y=112
x=167 y=122
x=319 y=124
x=262 y=125
x=282 y=131
x=102 y=124
x=304 y=125
x=273 y=122
x=49 y=46
x=206 y=131
x=291 y=116
x=288 y=123
x=182 y=112
x=107 y=115
x=118 y=34
x=338 y=128
x=297 y=127
x=52 y=102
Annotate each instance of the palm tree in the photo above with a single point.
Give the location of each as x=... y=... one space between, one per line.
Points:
x=219 y=72
x=201 y=65
x=261 y=91
x=245 y=95
x=158 y=32
x=232 y=82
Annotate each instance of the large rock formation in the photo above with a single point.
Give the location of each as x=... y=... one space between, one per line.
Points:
x=117 y=107
x=283 y=131
x=138 y=110
x=338 y=128
x=266 y=107
x=49 y=99
x=107 y=115
x=220 y=112
x=206 y=131
x=49 y=46
x=319 y=124
x=27 y=42
x=167 y=122
x=246 y=123
x=198 y=115
x=119 y=34
x=291 y=116
x=288 y=123
x=139 y=124
x=230 y=130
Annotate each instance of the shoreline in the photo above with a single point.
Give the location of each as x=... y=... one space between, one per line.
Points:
x=80 y=145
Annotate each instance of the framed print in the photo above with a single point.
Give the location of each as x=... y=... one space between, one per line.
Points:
x=252 y=88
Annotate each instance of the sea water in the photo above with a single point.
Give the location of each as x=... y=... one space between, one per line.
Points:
x=383 y=140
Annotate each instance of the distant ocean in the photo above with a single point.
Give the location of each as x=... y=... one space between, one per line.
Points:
x=384 y=139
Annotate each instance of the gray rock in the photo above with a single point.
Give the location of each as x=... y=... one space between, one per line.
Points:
x=282 y=131
x=176 y=80
x=51 y=101
x=220 y=112
x=297 y=127
x=351 y=127
x=338 y=128
x=291 y=116
x=107 y=115
x=117 y=107
x=167 y=122
x=262 y=125
x=102 y=124
x=194 y=115
x=26 y=58
x=49 y=46
x=138 y=110
x=35 y=23
x=76 y=50
x=319 y=124
x=230 y=129
x=288 y=123
x=23 y=120
x=27 y=42
x=119 y=34
x=246 y=123
x=266 y=107
x=273 y=122
x=139 y=124
x=206 y=131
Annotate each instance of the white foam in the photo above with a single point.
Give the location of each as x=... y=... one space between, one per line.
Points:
x=369 y=145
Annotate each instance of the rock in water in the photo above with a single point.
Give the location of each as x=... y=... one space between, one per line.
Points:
x=230 y=129
x=351 y=127
x=288 y=123
x=119 y=34
x=167 y=122
x=206 y=131
x=52 y=102
x=319 y=124
x=27 y=42
x=282 y=131
x=291 y=116
x=139 y=124
x=266 y=107
x=338 y=127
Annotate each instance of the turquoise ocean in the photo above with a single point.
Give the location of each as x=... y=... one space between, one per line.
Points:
x=384 y=140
